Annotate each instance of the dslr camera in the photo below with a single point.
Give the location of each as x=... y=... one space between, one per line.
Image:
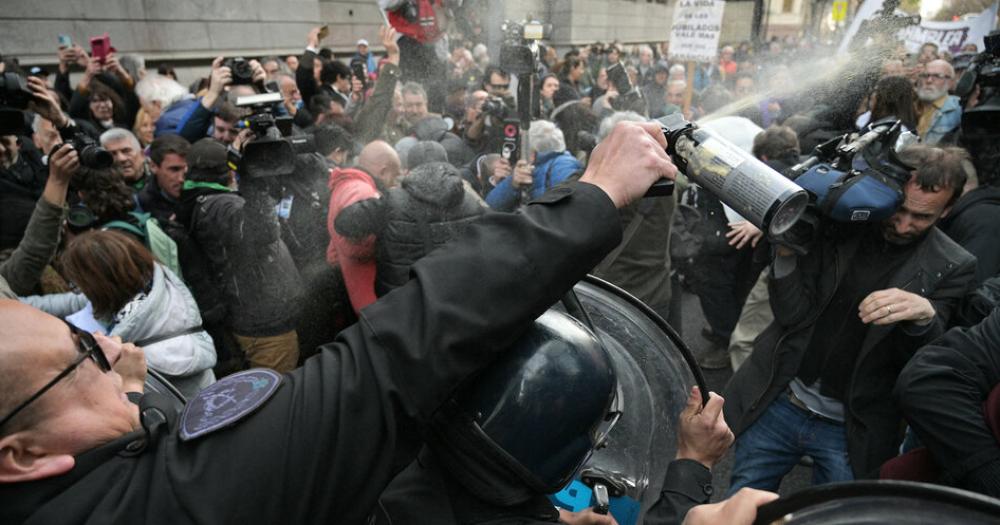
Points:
x=241 y=70
x=15 y=97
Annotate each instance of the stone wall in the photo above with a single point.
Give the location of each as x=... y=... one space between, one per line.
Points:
x=196 y=30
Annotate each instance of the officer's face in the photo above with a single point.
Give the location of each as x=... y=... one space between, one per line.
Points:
x=84 y=410
x=919 y=212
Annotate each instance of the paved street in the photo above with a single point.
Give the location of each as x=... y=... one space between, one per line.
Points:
x=692 y=324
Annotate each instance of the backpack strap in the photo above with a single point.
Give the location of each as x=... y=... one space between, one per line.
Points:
x=163 y=337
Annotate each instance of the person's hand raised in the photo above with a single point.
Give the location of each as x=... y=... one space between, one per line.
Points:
x=629 y=161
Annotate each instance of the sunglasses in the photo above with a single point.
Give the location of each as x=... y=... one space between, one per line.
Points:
x=88 y=348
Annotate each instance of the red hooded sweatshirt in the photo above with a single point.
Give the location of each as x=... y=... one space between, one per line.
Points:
x=356 y=260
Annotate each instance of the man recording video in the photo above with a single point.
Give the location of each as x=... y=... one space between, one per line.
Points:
x=848 y=315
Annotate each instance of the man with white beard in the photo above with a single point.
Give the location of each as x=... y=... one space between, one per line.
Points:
x=940 y=113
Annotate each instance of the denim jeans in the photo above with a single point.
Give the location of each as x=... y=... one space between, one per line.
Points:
x=784 y=433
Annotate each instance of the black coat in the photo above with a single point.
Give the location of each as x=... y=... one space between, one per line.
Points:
x=429 y=208
x=251 y=263
x=328 y=441
x=939 y=270
x=942 y=391
x=973 y=223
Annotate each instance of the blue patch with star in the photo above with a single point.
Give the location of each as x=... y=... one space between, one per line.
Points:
x=227 y=401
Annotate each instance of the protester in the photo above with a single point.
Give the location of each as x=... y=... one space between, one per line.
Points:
x=128 y=291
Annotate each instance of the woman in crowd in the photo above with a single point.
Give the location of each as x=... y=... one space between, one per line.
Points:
x=144 y=126
x=547 y=89
x=136 y=298
x=570 y=72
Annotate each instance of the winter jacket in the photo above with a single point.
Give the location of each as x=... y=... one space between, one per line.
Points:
x=355 y=257
x=168 y=308
x=551 y=168
x=938 y=269
x=174 y=117
x=241 y=238
x=19 y=274
x=972 y=223
x=431 y=207
x=372 y=121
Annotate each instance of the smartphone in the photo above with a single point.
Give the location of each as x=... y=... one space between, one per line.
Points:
x=619 y=78
x=100 y=46
x=324 y=32
x=359 y=72
x=65 y=41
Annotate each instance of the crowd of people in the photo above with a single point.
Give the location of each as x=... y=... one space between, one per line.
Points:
x=189 y=260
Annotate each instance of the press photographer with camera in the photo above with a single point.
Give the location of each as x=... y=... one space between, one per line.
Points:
x=37 y=242
x=227 y=74
x=848 y=314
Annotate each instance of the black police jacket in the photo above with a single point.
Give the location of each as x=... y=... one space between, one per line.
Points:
x=326 y=443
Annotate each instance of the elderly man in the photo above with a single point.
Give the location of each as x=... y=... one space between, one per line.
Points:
x=940 y=113
x=359 y=406
x=552 y=165
x=414 y=103
x=129 y=159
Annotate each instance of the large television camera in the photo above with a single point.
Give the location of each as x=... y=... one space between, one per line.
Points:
x=519 y=56
x=852 y=179
x=272 y=151
x=984 y=72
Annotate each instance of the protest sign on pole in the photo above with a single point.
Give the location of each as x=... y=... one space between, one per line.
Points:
x=949 y=36
x=694 y=36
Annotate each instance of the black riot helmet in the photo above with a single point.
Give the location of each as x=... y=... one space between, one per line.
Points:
x=527 y=423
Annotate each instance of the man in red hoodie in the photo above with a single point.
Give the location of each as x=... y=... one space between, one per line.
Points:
x=377 y=169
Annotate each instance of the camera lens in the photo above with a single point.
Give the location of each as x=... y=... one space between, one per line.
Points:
x=96 y=157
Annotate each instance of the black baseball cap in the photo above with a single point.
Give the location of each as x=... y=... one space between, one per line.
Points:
x=207 y=160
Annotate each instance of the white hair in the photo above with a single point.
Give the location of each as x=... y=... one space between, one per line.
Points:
x=645 y=50
x=677 y=69
x=682 y=83
x=117 y=134
x=135 y=65
x=613 y=119
x=161 y=89
x=480 y=52
x=545 y=137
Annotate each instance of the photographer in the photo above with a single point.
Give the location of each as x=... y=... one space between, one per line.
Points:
x=552 y=165
x=848 y=315
x=196 y=124
x=240 y=235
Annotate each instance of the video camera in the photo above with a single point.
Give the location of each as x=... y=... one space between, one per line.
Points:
x=518 y=56
x=273 y=150
x=852 y=179
x=982 y=121
x=15 y=97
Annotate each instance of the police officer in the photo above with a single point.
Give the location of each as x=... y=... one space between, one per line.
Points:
x=318 y=444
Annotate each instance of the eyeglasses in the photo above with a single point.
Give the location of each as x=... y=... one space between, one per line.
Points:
x=88 y=348
x=500 y=86
x=937 y=76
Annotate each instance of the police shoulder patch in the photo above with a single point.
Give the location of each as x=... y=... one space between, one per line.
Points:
x=227 y=401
